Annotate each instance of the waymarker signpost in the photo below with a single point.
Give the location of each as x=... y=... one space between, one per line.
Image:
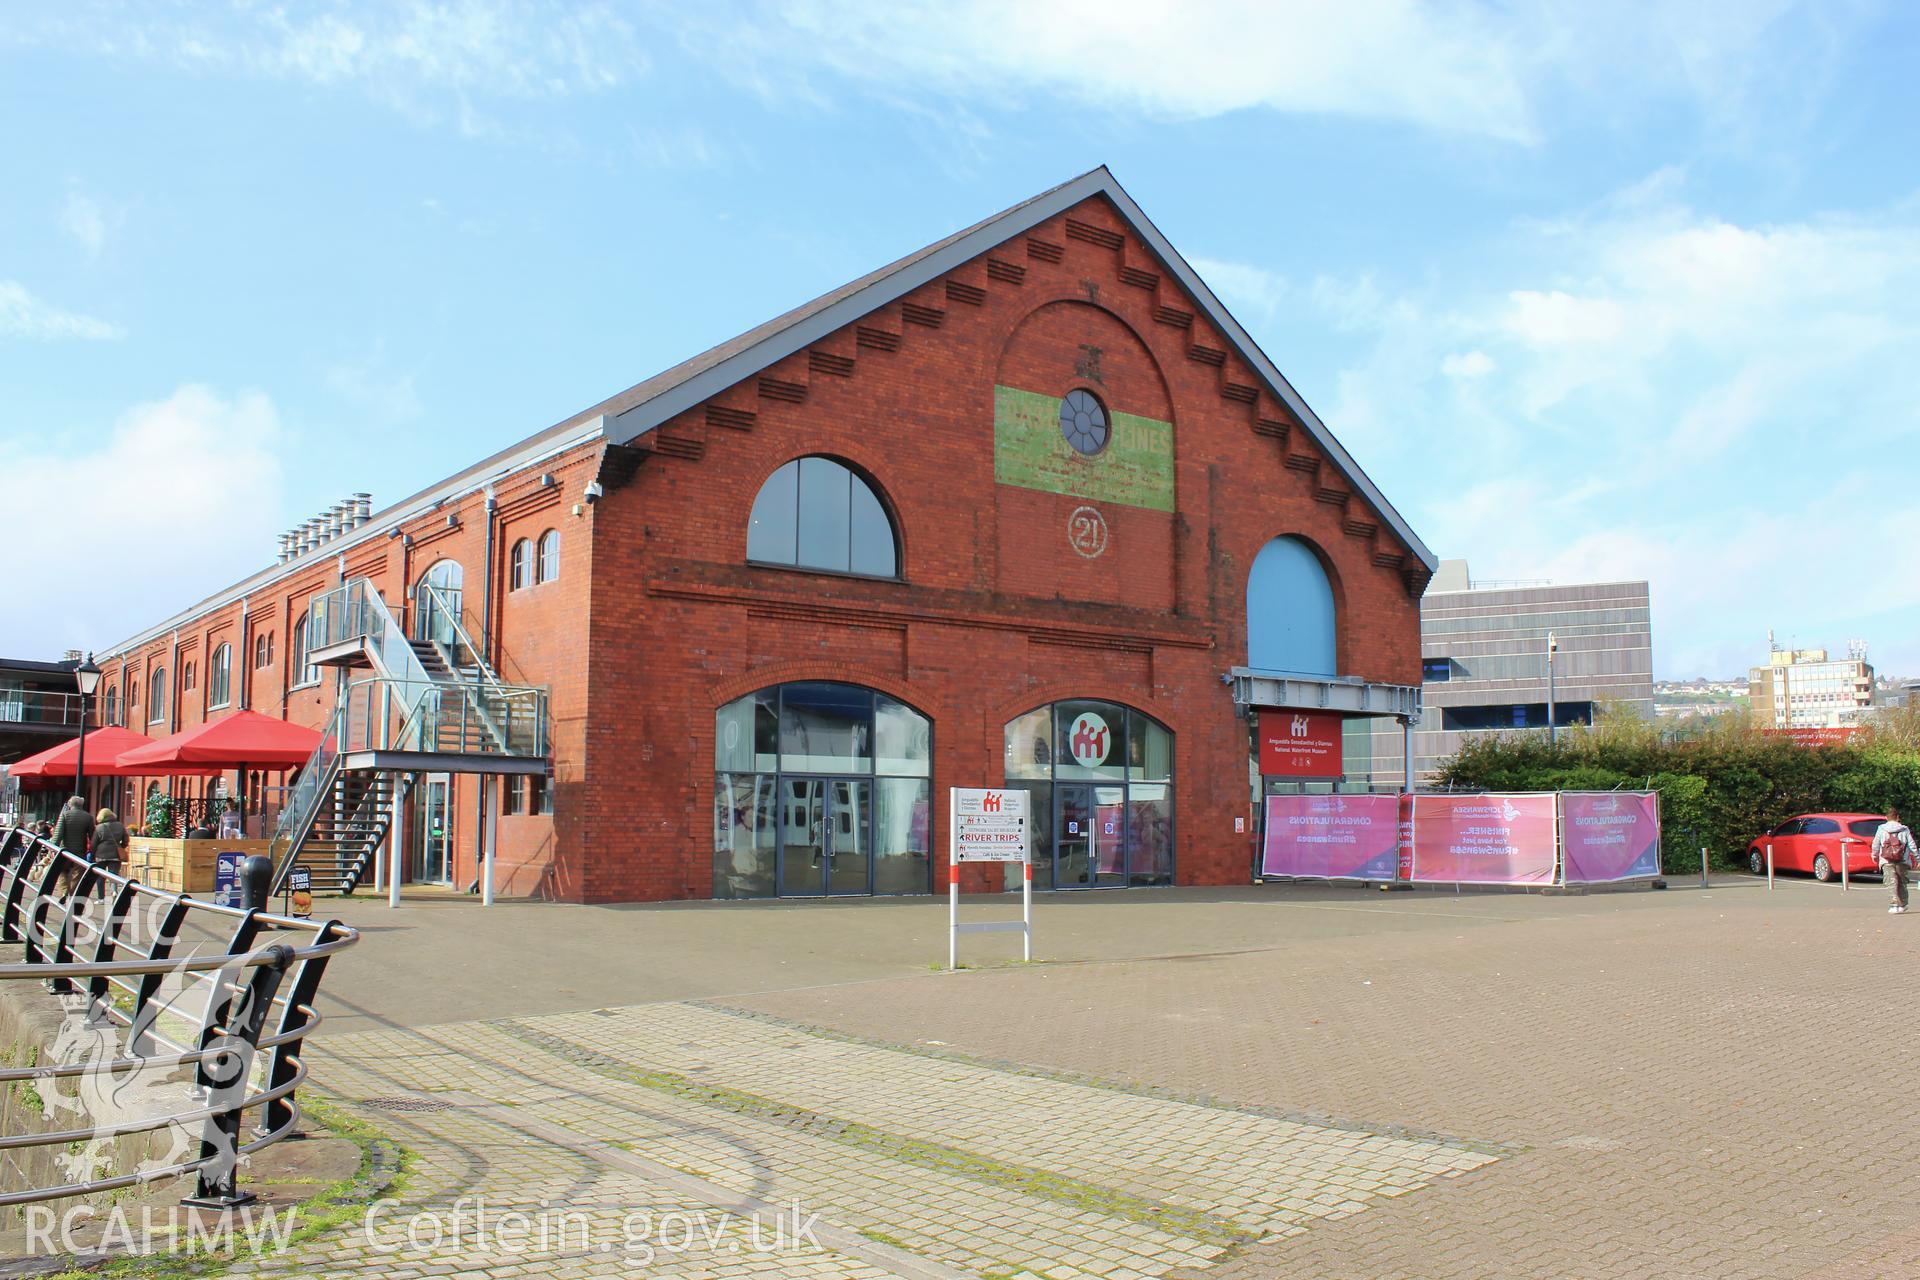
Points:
x=988 y=825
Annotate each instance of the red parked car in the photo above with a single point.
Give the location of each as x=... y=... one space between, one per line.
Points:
x=1815 y=842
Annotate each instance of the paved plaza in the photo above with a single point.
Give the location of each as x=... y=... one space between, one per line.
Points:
x=1263 y=1082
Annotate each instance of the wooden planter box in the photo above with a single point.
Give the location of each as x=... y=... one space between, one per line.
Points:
x=182 y=866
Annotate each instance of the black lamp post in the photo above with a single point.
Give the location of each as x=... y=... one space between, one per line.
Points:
x=87 y=676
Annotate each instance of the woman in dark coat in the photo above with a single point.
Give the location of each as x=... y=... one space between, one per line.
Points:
x=109 y=849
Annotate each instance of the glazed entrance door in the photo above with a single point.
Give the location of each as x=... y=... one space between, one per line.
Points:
x=1072 y=835
x=824 y=829
x=433 y=831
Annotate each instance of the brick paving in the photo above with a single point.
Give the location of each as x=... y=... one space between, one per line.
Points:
x=1296 y=1083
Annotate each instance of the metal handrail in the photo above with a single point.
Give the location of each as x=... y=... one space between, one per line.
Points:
x=54 y=904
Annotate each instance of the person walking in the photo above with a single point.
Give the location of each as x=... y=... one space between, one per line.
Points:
x=74 y=831
x=1894 y=850
x=110 y=842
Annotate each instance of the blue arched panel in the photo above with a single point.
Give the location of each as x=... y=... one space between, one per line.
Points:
x=1290 y=619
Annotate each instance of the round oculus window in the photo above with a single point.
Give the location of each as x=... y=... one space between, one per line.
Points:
x=1083 y=421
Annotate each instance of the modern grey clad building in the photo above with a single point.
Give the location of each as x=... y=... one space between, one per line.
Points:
x=1484 y=655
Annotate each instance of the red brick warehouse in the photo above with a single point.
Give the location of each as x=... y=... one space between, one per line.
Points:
x=1026 y=507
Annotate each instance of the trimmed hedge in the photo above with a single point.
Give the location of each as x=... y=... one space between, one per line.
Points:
x=1719 y=789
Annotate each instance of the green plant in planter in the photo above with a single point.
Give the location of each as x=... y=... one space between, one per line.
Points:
x=160 y=814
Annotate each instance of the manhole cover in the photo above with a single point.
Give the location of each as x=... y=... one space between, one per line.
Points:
x=406 y=1104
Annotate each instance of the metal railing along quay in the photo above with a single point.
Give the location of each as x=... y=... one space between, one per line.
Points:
x=164 y=983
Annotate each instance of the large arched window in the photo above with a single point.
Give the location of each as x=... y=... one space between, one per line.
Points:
x=1101 y=778
x=436 y=602
x=815 y=513
x=547 y=568
x=520 y=565
x=220 y=676
x=820 y=789
x=1290 y=615
x=157 y=695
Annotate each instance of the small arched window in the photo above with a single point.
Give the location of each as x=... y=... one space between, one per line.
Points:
x=261 y=654
x=186 y=678
x=815 y=513
x=549 y=567
x=110 y=711
x=220 y=676
x=157 y=695
x=519 y=563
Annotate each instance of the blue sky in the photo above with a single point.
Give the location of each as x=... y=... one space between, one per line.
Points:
x=1590 y=290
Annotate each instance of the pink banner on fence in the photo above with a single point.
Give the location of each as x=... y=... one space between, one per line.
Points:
x=1483 y=839
x=1335 y=837
x=1609 y=835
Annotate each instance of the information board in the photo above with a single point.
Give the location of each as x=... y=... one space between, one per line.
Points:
x=226 y=879
x=990 y=825
x=1300 y=744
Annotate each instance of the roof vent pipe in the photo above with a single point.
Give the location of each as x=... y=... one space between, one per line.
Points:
x=362 y=508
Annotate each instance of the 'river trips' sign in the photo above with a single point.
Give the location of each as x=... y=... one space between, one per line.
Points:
x=989 y=825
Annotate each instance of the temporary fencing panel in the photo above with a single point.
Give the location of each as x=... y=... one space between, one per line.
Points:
x=1484 y=839
x=1352 y=837
x=1543 y=838
x=1607 y=836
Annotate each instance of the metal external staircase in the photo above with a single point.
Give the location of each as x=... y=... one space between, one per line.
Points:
x=350 y=824
x=425 y=704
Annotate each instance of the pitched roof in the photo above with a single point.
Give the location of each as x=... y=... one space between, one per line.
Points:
x=645 y=405
x=641 y=408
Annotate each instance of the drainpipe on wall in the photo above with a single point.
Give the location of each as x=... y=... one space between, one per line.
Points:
x=484 y=834
x=246 y=659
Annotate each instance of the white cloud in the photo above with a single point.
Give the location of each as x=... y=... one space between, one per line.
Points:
x=86 y=222
x=1468 y=364
x=179 y=497
x=1557 y=319
x=1383 y=59
x=1497 y=69
x=429 y=57
x=24 y=316
x=1242 y=287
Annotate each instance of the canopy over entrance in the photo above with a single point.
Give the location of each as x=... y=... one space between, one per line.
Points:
x=241 y=740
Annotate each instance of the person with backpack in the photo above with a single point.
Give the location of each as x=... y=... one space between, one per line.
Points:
x=1894 y=850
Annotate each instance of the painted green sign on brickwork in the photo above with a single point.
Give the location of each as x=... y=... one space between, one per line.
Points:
x=1134 y=470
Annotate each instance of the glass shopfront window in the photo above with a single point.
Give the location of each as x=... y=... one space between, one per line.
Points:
x=1101 y=779
x=821 y=789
